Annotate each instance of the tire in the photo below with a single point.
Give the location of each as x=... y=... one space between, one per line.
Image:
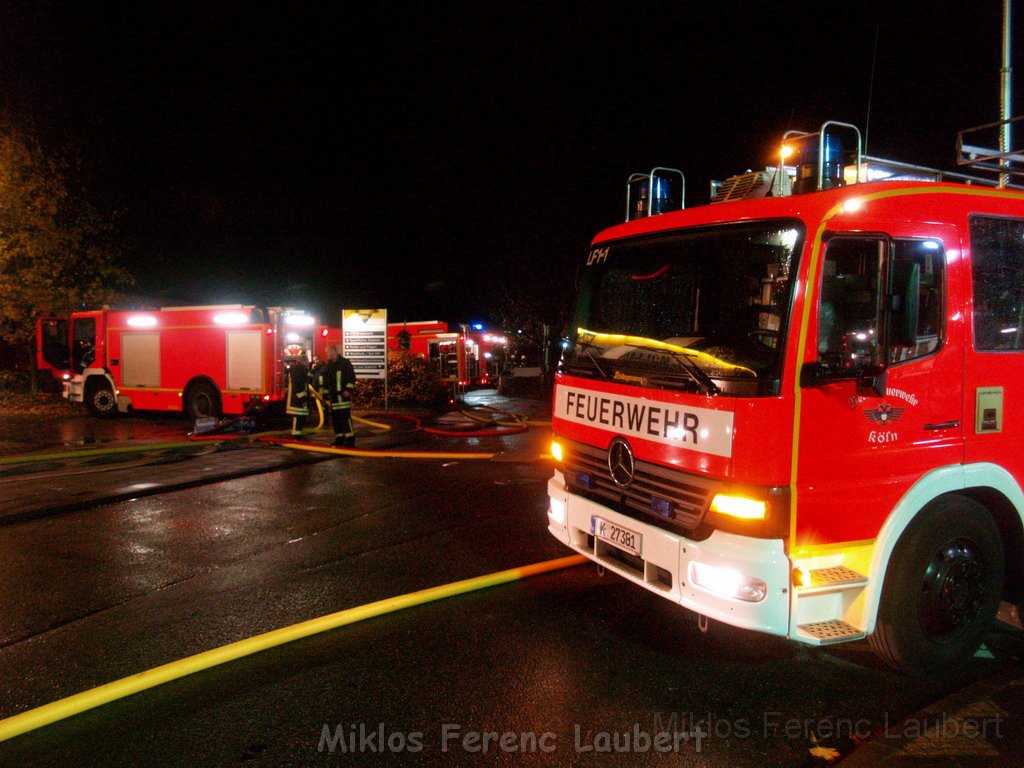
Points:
x=942 y=589
x=202 y=400
x=100 y=400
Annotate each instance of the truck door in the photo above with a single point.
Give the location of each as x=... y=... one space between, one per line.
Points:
x=995 y=371
x=53 y=348
x=880 y=301
x=85 y=342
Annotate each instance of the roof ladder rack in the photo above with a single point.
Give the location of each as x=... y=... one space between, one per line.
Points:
x=1007 y=162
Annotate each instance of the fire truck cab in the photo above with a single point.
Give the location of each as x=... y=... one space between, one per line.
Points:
x=205 y=361
x=800 y=409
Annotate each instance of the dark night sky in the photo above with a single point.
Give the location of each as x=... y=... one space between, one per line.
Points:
x=429 y=156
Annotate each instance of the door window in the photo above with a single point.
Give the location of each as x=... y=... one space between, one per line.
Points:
x=855 y=302
x=918 y=287
x=997 y=269
x=83 y=346
x=848 y=310
x=55 y=343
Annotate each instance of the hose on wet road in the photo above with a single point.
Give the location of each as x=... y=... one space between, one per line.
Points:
x=61 y=709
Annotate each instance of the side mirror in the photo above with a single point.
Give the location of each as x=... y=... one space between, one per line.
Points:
x=814 y=375
x=871 y=380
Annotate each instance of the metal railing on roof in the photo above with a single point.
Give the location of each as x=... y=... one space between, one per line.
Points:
x=1008 y=162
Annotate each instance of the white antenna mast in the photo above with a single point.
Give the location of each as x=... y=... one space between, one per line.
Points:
x=871 y=89
x=1006 y=93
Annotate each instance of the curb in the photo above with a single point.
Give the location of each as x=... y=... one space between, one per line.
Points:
x=287 y=461
x=966 y=728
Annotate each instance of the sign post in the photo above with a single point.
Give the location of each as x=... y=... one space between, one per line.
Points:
x=365 y=343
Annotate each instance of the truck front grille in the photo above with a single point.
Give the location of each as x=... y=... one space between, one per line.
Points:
x=667 y=498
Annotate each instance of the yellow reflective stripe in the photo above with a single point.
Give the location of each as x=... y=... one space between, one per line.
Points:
x=801 y=348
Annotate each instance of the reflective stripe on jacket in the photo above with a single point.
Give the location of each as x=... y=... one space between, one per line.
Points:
x=296 y=398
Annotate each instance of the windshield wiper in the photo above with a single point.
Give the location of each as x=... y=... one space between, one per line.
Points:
x=695 y=372
x=587 y=346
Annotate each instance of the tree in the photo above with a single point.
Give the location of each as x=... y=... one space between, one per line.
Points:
x=534 y=320
x=57 y=252
x=412 y=381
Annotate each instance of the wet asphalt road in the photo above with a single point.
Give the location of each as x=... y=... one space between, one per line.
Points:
x=566 y=662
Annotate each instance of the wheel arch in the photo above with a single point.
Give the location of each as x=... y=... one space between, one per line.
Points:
x=93 y=376
x=1010 y=522
x=988 y=484
x=97 y=377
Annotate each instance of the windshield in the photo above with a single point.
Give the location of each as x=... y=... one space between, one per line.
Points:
x=703 y=310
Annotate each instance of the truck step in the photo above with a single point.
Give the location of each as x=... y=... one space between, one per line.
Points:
x=828 y=632
x=832 y=579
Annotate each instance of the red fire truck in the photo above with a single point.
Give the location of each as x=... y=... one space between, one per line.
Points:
x=795 y=410
x=205 y=361
x=464 y=359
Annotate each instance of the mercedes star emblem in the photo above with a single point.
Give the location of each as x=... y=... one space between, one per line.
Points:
x=620 y=462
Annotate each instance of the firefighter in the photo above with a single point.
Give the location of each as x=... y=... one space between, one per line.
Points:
x=321 y=377
x=297 y=401
x=317 y=373
x=315 y=370
x=341 y=383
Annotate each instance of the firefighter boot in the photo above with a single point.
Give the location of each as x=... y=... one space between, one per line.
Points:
x=350 y=441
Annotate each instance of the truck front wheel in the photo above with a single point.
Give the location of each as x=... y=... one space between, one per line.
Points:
x=942 y=588
x=100 y=399
x=202 y=400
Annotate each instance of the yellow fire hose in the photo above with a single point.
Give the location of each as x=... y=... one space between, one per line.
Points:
x=375 y=424
x=319 y=400
x=323 y=408
x=127 y=686
x=314 y=448
x=511 y=419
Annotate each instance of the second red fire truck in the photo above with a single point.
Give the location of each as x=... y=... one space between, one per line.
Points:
x=205 y=361
x=799 y=410
x=463 y=359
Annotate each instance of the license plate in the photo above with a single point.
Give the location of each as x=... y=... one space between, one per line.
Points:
x=623 y=538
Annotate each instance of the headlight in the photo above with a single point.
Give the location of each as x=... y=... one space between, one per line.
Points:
x=728 y=582
x=557 y=512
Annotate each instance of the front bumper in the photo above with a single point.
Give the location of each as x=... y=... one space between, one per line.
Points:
x=74 y=390
x=667 y=560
